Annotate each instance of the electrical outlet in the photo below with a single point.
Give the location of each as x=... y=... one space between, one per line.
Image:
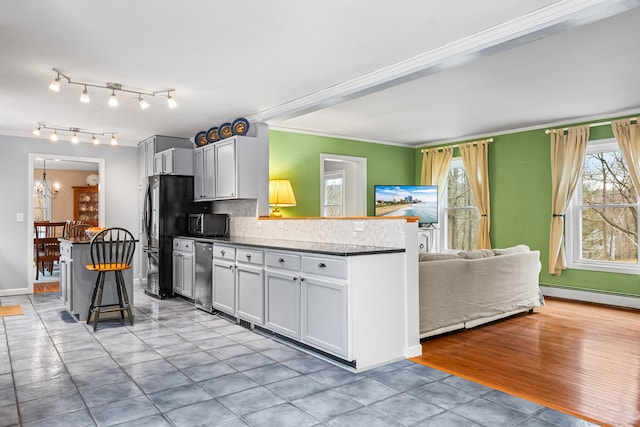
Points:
x=358 y=226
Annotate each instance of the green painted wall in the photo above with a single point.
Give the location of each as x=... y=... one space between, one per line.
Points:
x=296 y=157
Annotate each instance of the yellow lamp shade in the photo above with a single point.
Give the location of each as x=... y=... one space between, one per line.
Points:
x=280 y=194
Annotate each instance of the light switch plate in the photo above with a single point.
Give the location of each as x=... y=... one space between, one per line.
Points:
x=20 y=217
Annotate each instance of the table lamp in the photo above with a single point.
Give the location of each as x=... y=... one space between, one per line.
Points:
x=280 y=194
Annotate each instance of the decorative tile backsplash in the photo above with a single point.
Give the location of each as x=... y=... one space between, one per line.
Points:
x=384 y=233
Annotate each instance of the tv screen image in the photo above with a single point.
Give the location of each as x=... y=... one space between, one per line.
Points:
x=408 y=200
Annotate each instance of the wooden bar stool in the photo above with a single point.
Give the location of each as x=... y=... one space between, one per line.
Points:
x=111 y=250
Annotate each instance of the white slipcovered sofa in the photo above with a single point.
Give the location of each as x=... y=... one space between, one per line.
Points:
x=467 y=289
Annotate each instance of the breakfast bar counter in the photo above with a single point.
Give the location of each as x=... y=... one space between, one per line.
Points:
x=76 y=282
x=335 y=249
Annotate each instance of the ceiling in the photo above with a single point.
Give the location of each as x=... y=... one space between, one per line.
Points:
x=417 y=73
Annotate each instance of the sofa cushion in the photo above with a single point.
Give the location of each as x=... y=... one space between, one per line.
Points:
x=512 y=250
x=428 y=256
x=477 y=254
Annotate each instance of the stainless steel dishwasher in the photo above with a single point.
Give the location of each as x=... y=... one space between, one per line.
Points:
x=203 y=279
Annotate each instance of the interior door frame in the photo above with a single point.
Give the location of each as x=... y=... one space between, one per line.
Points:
x=30 y=180
x=358 y=183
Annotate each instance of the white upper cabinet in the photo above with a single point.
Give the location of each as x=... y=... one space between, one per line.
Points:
x=228 y=169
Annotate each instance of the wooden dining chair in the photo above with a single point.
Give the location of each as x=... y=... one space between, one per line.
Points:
x=46 y=246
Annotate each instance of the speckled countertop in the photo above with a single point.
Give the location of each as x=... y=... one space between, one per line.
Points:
x=293 y=245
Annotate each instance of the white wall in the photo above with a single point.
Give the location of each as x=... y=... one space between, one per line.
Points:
x=121 y=177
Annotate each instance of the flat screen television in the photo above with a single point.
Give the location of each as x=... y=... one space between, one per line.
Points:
x=408 y=200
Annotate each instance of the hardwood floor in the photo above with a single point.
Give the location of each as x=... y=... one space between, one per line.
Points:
x=579 y=358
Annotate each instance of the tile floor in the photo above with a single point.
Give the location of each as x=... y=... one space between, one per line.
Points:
x=178 y=366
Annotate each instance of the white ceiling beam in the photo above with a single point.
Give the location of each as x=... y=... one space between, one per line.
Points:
x=555 y=18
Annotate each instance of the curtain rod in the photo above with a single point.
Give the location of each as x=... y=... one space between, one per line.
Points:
x=457 y=145
x=591 y=125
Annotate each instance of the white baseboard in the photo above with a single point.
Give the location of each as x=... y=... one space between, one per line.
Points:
x=592 y=296
x=413 y=351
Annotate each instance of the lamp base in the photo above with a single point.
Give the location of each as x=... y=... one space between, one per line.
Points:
x=275 y=212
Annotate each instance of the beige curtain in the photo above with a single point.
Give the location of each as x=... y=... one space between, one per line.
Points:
x=567 y=159
x=475 y=160
x=629 y=142
x=435 y=167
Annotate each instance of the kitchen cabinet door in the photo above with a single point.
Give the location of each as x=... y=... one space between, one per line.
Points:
x=282 y=303
x=209 y=175
x=324 y=315
x=225 y=169
x=224 y=286
x=250 y=280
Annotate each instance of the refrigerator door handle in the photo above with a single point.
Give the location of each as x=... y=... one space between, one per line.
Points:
x=146 y=221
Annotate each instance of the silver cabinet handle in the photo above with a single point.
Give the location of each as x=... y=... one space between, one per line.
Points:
x=231 y=267
x=249 y=256
x=222 y=252
x=280 y=260
x=322 y=265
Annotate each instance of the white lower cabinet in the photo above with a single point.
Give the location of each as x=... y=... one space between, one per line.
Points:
x=224 y=279
x=250 y=284
x=183 y=267
x=324 y=315
x=282 y=303
x=306 y=299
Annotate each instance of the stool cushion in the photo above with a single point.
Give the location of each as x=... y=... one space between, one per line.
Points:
x=108 y=267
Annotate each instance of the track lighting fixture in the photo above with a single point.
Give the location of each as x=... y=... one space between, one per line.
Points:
x=74 y=133
x=113 y=100
x=170 y=101
x=55 y=84
x=85 y=95
x=143 y=104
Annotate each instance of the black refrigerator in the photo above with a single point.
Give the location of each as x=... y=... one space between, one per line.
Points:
x=167 y=202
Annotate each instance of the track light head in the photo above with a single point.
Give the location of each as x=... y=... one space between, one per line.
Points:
x=113 y=99
x=143 y=104
x=114 y=141
x=85 y=95
x=36 y=132
x=55 y=84
x=74 y=138
x=170 y=101
x=95 y=140
x=54 y=136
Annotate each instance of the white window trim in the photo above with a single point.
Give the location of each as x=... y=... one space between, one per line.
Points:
x=333 y=175
x=573 y=227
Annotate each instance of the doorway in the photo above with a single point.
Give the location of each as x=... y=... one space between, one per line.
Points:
x=344 y=185
x=58 y=166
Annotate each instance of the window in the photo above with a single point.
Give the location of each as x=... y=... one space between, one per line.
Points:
x=602 y=221
x=333 y=193
x=41 y=204
x=460 y=229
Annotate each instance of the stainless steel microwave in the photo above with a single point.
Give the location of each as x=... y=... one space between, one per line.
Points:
x=209 y=225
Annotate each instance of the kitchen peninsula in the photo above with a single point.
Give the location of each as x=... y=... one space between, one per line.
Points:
x=76 y=282
x=351 y=301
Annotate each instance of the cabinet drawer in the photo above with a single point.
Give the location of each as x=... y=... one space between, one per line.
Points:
x=284 y=261
x=184 y=245
x=324 y=266
x=249 y=256
x=224 y=252
x=65 y=251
